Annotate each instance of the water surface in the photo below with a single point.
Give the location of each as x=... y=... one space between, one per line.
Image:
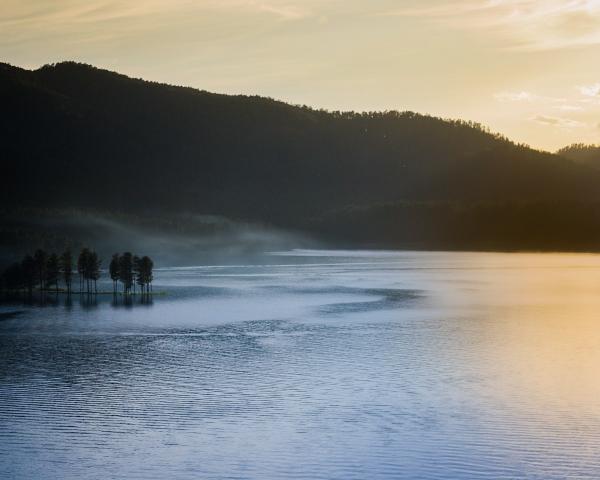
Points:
x=315 y=364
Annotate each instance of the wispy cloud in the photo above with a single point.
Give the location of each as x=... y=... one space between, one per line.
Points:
x=284 y=9
x=515 y=97
x=590 y=90
x=560 y=122
x=526 y=24
x=569 y=108
x=524 y=96
x=57 y=12
x=529 y=97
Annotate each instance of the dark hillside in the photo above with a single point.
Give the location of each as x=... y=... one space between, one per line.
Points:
x=77 y=136
x=583 y=154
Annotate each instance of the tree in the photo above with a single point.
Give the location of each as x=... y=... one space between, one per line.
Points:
x=126 y=271
x=113 y=270
x=93 y=269
x=41 y=260
x=146 y=266
x=82 y=265
x=52 y=271
x=137 y=272
x=66 y=268
x=29 y=268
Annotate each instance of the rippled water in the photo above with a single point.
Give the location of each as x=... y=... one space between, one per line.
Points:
x=334 y=365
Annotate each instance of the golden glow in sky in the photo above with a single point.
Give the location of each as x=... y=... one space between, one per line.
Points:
x=529 y=69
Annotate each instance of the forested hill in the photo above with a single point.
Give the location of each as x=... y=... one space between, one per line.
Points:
x=77 y=136
x=581 y=153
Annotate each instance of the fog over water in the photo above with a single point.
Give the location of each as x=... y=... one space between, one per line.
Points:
x=171 y=240
x=313 y=364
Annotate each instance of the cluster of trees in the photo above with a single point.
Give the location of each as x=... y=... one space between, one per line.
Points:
x=88 y=268
x=45 y=271
x=130 y=270
x=41 y=270
x=507 y=226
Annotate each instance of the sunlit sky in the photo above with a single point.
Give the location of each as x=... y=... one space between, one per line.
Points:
x=529 y=69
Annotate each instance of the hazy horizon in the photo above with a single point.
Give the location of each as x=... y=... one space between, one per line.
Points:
x=517 y=66
x=363 y=262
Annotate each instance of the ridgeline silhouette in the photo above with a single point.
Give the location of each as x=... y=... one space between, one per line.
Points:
x=392 y=179
x=581 y=153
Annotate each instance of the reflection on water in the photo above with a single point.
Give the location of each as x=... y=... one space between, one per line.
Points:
x=85 y=301
x=314 y=365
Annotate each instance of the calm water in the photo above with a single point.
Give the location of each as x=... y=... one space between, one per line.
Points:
x=334 y=365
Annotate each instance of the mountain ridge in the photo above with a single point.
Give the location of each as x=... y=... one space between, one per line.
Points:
x=79 y=136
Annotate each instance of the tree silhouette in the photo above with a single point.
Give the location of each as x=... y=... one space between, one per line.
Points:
x=146 y=266
x=40 y=258
x=126 y=268
x=126 y=271
x=82 y=262
x=136 y=272
x=30 y=272
x=85 y=266
x=149 y=269
x=52 y=271
x=113 y=270
x=93 y=269
x=66 y=267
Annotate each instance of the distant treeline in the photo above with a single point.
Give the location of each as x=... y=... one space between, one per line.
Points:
x=582 y=153
x=46 y=271
x=507 y=226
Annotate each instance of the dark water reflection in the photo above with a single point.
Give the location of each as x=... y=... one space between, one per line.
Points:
x=322 y=365
x=85 y=301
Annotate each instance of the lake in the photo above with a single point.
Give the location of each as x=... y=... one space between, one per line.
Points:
x=313 y=365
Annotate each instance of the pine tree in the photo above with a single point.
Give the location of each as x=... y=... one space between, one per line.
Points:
x=82 y=268
x=52 y=271
x=30 y=272
x=66 y=268
x=40 y=259
x=93 y=269
x=126 y=271
x=113 y=269
x=146 y=266
x=137 y=272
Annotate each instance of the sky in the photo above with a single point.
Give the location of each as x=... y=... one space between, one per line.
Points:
x=529 y=69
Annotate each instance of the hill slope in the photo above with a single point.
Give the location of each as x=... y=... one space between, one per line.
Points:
x=583 y=154
x=77 y=136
